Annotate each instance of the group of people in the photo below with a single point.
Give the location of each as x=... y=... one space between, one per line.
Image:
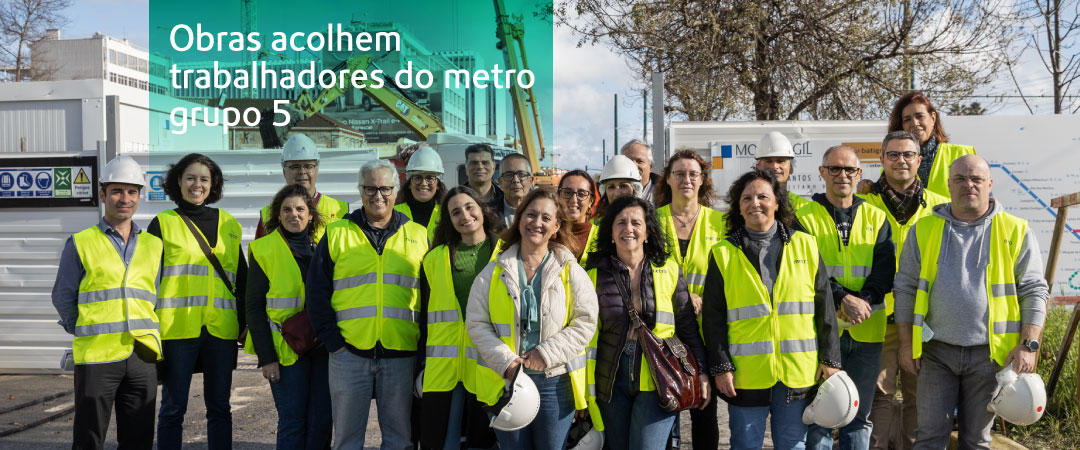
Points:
x=432 y=300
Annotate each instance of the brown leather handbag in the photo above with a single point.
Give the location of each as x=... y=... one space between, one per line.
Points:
x=673 y=368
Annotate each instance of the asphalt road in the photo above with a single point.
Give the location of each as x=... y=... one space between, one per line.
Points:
x=254 y=416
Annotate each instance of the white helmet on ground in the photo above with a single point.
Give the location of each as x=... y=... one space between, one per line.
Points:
x=620 y=167
x=583 y=436
x=123 y=169
x=774 y=145
x=1020 y=398
x=519 y=404
x=835 y=404
x=299 y=148
x=424 y=159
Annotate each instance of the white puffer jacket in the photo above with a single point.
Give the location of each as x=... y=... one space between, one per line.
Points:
x=558 y=344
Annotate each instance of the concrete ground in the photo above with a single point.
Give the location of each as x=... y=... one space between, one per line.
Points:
x=254 y=416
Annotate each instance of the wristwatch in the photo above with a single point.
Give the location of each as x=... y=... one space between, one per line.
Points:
x=1031 y=344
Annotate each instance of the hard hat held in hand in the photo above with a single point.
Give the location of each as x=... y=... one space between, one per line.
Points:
x=424 y=159
x=299 y=148
x=835 y=404
x=418 y=386
x=1020 y=398
x=522 y=402
x=123 y=169
x=583 y=436
x=620 y=167
x=774 y=145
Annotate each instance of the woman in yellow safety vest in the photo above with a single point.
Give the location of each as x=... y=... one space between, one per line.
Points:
x=577 y=190
x=768 y=320
x=420 y=200
x=632 y=269
x=275 y=293
x=464 y=243
x=199 y=302
x=914 y=113
x=534 y=307
x=692 y=228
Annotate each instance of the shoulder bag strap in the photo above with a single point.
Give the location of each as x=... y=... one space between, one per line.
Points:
x=207 y=252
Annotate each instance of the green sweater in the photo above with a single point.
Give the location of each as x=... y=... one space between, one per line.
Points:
x=468 y=262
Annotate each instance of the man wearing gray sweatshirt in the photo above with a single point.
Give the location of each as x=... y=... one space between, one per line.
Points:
x=944 y=309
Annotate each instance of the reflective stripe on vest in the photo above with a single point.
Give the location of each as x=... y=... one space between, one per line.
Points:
x=900 y=232
x=773 y=338
x=377 y=297
x=192 y=295
x=849 y=264
x=285 y=295
x=708 y=231
x=1006 y=239
x=451 y=356
x=115 y=302
x=329 y=208
x=433 y=221
x=504 y=316
x=938 y=181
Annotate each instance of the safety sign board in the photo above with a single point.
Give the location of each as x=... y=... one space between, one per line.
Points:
x=47 y=181
x=155 y=192
x=81 y=185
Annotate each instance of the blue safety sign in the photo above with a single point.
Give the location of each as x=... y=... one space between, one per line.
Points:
x=155 y=192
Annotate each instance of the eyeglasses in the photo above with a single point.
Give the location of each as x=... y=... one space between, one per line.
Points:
x=894 y=156
x=692 y=176
x=514 y=176
x=297 y=167
x=960 y=179
x=835 y=170
x=568 y=193
x=383 y=190
x=421 y=179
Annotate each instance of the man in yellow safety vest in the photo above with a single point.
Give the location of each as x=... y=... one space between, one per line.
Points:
x=970 y=298
x=105 y=291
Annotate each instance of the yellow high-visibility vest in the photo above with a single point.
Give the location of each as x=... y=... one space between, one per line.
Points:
x=192 y=295
x=1006 y=239
x=849 y=264
x=377 y=297
x=285 y=296
x=116 y=301
x=771 y=338
x=451 y=356
x=590 y=242
x=433 y=221
x=900 y=232
x=709 y=229
x=329 y=208
x=938 y=181
x=797 y=201
x=503 y=314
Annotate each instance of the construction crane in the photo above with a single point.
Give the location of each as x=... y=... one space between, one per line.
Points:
x=416 y=118
x=511 y=34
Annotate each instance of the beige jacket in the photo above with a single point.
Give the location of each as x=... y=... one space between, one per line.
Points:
x=558 y=344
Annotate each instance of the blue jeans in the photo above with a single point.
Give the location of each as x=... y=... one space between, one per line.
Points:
x=747 y=424
x=353 y=378
x=218 y=359
x=552 y=424
x=647 y=426
x=302 y=398
x=861 y=361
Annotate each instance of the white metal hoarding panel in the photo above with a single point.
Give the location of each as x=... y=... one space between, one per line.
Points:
x=40 y=126
x=1032 y=159
x=31 y=241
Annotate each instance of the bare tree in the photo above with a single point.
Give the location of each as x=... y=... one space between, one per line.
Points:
x=1057 y=22
x=793 y=59
x=23 y=22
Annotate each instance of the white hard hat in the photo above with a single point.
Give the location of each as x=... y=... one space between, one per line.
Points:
x=620 y=167
x=1020 y=399
x=123 y=169
x=774 y=145
x=424 y=159
x=583 y=436
x=299 y=148
x=418 y=387
x=522 y=404
x=835 y=404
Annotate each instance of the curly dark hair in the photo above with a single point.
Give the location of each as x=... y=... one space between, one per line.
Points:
x=656 y=243
x=896 y=119
x=293 y=190
x=175 y=171
x=592 y=189
x=564 y=236
x=706 y=196
x=446 y=234
x=734 y=218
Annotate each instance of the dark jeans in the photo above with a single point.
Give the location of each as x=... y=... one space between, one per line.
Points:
x=130 y=384
x=955 y=383
x=704 y=425
x=862 y=361
x=634 y=418
x=217 y=358
x=302 y=398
